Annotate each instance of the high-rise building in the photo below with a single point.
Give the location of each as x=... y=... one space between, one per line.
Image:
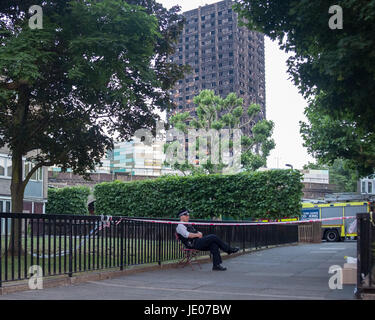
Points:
x=223 y=57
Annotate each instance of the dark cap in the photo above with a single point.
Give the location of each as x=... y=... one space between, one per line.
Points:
x=183 y=212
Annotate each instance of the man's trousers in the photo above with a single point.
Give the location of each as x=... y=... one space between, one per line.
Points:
x=212 y=243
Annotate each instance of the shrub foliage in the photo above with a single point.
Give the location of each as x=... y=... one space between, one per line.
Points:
x=69 y=200
x=269 y=194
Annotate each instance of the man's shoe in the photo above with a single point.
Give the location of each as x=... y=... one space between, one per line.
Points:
x=219 y=268
x=233 y=250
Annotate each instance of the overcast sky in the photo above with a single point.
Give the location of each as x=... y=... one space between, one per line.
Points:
x=284 y=105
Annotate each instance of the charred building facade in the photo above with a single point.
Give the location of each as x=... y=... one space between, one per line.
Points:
x=223 y=57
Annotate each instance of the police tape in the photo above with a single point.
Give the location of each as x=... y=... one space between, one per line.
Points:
x=242 y=223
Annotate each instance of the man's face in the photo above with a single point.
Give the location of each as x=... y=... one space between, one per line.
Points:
x=184 y=218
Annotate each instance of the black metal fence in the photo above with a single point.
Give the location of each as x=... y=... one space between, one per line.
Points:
x=66 y=244
x=365 y=253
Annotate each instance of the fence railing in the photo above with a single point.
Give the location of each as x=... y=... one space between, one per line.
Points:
x=365 y=253
x=68 y=244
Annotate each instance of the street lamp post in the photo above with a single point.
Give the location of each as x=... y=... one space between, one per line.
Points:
x=289 y=165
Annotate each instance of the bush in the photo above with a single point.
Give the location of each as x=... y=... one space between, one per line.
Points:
x=268 y=194
x=69 y=200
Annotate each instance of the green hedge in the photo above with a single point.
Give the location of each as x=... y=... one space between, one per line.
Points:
x=268 y=194
x=69 y=200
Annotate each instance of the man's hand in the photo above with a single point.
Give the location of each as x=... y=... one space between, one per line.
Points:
x=196 y=235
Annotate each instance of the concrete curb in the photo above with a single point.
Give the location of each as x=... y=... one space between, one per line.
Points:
x=65 y=280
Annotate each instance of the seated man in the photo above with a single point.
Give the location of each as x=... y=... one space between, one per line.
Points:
x=193 y=239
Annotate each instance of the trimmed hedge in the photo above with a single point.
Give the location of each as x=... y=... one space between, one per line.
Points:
x=68 y=200
x=268 y=194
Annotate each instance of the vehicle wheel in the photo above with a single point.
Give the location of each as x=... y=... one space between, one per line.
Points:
x=332 y=236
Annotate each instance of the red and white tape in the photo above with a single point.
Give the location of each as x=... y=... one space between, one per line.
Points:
x=242 y=224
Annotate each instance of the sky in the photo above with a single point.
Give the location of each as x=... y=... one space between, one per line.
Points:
x=284 y=104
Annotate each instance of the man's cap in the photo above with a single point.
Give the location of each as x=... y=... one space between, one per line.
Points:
x=183 y=212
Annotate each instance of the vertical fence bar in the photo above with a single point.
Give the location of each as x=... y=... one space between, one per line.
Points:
x=59 y=258
x=99 y=224
x=49 y=246
x=93 y=229
x=19 y=240
x=159 y=244
x=370 y=252
x=70 y=247
x=121 y=245
x=127 y=243
x=6 y=245
x=90 y=230
x=25 y=252
x=43 y=245
x=84 y=244
x=31 y=241
x=109 y=245
x=1 y=252
x=37 y=242
x=141 y=241
x=54 y=245
x=12 y=251
x=79 y=229
x=65 y=245
x=102 y=246
x=243 y=229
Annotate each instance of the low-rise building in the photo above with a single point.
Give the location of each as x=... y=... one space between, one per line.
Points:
x=35 y=195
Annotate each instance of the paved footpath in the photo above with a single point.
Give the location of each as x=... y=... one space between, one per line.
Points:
x=290 y=272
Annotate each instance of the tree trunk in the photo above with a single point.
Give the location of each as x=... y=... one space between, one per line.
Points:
x=17 y=192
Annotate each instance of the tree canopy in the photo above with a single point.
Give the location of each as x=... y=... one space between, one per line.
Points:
x=95 y=68
x=338 y=63
x=216 y=113
x=328 y=139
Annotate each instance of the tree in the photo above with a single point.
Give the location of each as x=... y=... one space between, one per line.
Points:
x=216 y=113
x=339 y=63
x=94 y=69
x=328 y=139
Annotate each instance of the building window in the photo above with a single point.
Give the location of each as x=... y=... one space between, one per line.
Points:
x=2 y=167
x=5 y=167
x=369 y=187
x=37 y=175
x=9 y=168
x=363 y=187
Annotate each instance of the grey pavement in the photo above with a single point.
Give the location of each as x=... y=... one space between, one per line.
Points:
x=298 y=272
